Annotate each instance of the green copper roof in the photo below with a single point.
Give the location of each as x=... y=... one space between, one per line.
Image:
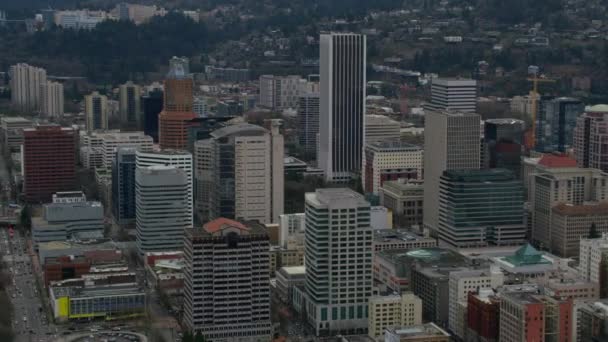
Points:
x=527 y=255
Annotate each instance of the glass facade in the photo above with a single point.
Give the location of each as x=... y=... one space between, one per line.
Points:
x=107 y=305
x=555 y=124
x=481 y=207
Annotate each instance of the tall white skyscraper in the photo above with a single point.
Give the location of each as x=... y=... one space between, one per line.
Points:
x=25 y=86
x=240 y=173
x=455 y=94
x=161 y=202
x=451 y=142
x=179 y=159
x=338 y=270
x=342 y=104
x=51 y=99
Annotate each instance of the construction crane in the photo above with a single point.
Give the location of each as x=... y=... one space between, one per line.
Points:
x=535 y=80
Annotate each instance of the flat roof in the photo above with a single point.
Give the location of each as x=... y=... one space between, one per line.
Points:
x=386 y=235
x=294 y=270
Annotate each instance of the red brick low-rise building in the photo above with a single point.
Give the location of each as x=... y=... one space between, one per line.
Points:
x=65 y=267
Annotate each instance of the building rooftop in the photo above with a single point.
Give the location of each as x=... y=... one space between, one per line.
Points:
x=238 y=129
x=405 y=259
x=293 y=270
x=166 y=152
x=221 y=223
x=336 y=196
x=526 y=255
x=15 y=119
x=523 y=297
x=376 y=119
x=404 y=185
x=293 y=161
x=555 y=161
x=392 y=146
x=108 y=290
x=386 y=235
x=483 y=176
x=595 y=208
x=417 y=331
x=505 y=121
x=600 y=108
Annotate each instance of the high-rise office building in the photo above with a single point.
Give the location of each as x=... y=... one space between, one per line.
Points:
x=48 y=157
x=451 y=142
x=177 y=105
x=96 y=111
x=390 y=160
x=110 y=142
x=152 y=105
x=555 y=124
x=25 y=86
x=179 y=159
x=162 y=214
x=201 y=128
x=308 y=122
x=130 y=105
x=227 y=284
x=123 y=185
x=591 y=138
x=481 y=207
x=281 y=92
x=503 y=140
x=338 y=271
x=240 y=173
x=342 y=105
x=51 y=99
x=568 y=185
x=453 y=94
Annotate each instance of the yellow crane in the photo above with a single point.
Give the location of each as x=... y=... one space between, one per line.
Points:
x=534 y=94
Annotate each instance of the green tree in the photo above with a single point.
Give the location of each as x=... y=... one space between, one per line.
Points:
x=187 y=337
x=25 y=219
x=199 y=337
x=593 y=232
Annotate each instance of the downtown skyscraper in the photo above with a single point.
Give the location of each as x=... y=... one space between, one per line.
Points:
x=177 y=105
x=451 y=142
x=342 y=105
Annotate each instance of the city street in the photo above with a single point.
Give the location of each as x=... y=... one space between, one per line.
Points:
x=30 y=323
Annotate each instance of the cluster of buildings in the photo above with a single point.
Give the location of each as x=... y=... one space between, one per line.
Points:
x=444 y=256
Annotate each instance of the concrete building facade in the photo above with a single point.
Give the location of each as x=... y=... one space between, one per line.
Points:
x=390 y=160
x=25 y=86
x=96 y=111
x=51 y=99
x=451 y=142
x=338 y=272
x=226 y=252
x=395 y=310
x=162 y=212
